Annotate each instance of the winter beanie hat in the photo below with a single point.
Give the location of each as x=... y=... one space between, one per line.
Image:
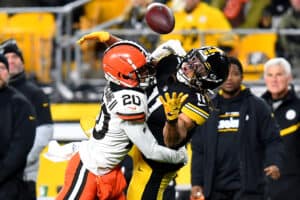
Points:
x=10 y=46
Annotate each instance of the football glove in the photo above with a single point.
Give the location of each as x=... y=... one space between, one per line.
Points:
x=170 y=47
x=101 y=36
x=172 y=105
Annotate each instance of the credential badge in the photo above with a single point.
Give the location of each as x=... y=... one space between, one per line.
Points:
x=290 y=114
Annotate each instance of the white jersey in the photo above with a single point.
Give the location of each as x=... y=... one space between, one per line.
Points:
x=120 y=121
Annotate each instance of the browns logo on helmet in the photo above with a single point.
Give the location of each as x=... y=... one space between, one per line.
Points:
x=125 y=63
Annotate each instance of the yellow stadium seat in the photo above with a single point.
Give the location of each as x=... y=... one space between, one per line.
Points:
x=253 y=51
x=98 y=11
x=3 y=25
x=34 y=33
x=3 y=20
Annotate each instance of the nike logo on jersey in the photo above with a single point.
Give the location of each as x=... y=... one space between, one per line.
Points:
x=132 y=107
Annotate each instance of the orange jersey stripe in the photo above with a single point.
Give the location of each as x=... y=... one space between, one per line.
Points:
x=134 y=117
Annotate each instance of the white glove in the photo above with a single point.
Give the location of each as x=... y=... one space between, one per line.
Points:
x=61 y=153
x=184 y=154
x=165 y=49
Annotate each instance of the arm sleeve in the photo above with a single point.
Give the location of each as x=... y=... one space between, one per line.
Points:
x=270 y=137
x=197 y=164
x=43 y=136
x=23 y=133
x=41 y=104
x=142 y=137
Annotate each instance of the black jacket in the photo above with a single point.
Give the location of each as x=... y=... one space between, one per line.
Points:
x=17 y=131
x=287 y=115
x=35 y=95
x=259 y=145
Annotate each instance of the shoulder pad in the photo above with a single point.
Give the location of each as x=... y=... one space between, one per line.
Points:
x=129 y=105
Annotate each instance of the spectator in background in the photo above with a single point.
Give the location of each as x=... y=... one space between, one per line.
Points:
x=17 y=129
x=197 y=16
x=41 y=104
x=134 y=20
x=282 y=99
x=242 y=147
x=229 y=43
x=242 y=13
x=277 y=8
x=288 y=46
x=266 y=19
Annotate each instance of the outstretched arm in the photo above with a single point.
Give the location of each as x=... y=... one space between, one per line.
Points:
x=177 y=124
x=142 y=137
x=100 y=36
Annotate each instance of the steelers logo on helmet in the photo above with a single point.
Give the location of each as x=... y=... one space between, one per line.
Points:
x=209 y=68
x=125 y=63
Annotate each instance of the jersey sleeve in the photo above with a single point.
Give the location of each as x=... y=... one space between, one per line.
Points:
x=129 y=105
x=196 y=108
x=142 y=137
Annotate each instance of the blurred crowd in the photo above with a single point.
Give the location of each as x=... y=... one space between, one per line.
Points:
x=198 y=22
x=233 y=26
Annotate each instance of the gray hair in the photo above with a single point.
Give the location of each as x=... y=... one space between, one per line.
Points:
x=278 y=61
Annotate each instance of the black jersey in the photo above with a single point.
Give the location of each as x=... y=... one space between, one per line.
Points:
x=35 y=95
x=17 y=130
x=287 y=114
x=195 y=106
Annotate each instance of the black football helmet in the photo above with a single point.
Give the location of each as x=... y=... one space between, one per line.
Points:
x=204 y=68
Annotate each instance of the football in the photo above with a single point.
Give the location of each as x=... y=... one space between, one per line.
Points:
x=160 y=18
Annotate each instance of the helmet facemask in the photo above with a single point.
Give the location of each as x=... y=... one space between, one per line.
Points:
x=146 y=76
x=204 y=68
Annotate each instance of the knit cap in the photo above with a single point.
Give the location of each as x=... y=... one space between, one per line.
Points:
x=10 y=46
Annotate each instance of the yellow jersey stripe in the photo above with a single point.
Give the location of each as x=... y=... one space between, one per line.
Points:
x=228 y=130
x=195 y=113
x=289 y=130
x=229 y=115
x=197 y=109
